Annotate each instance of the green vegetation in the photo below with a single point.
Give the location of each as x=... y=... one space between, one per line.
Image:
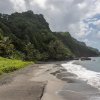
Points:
x=9 y=65
x=27 y=36
x=79 y=49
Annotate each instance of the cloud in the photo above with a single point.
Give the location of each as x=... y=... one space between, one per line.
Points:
x=80 y=17
x=6 y=6
x=19 y=5
x=68 y=15
x=63 y=15
x=98 y=35
x=89 y=42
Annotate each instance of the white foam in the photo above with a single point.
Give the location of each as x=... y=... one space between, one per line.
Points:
x=91 y=77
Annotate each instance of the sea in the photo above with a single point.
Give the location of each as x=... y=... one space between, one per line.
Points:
x=87 y=74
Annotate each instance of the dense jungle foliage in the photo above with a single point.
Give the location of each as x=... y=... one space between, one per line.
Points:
x=27 y=36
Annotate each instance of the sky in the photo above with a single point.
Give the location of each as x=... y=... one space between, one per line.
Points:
x=79 y=17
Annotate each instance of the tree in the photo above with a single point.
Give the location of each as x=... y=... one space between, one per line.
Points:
x=57 y=50
x=31 y=53
x=6 y=47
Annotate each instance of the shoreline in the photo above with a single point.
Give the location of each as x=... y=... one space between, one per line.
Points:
x=79 y=89
x=31 y=82
x=49 y=81
x=53 y=84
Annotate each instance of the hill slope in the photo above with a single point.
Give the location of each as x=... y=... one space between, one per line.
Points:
x=77 y=48
x=27 y=36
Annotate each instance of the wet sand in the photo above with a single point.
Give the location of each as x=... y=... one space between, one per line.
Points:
x=75 y=89
x=53 y=84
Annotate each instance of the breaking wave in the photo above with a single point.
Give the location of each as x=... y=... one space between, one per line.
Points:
x=92 y=78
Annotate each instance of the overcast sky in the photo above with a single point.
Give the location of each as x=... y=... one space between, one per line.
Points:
x=80 y=17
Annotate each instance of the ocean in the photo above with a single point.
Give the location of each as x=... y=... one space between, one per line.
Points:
x=87 y=74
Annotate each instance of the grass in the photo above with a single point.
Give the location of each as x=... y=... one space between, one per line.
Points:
x=9 y=65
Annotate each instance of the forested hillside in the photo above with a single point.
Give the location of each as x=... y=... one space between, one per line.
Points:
x=76 y=47
x=27 y=36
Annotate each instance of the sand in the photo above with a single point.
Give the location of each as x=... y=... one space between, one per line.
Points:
x=17 y=85
x=49 y=81
x=31 y=83
x=53 y=84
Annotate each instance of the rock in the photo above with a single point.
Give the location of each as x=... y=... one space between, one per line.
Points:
x=85 y=58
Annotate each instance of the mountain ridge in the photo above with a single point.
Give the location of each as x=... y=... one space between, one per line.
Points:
x=27 y=36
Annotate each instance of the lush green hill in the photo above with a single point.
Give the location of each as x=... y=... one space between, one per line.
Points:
x=28 y=36
x=77 y=48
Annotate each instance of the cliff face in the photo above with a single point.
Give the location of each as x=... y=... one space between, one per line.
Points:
x=27 y=35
